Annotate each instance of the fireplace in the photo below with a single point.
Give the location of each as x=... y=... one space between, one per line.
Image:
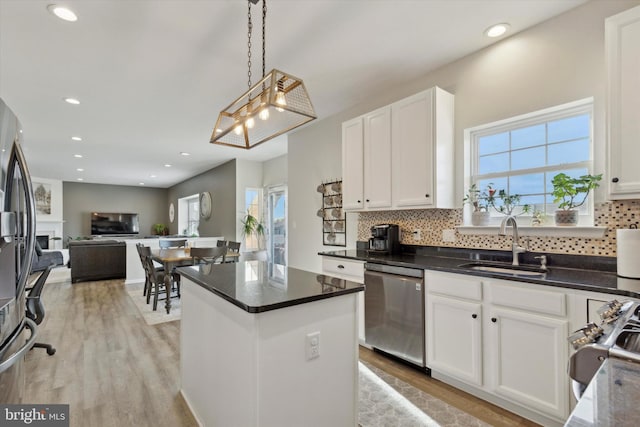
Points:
x=43 y=241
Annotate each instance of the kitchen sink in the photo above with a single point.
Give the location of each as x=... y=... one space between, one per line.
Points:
x=507 y=270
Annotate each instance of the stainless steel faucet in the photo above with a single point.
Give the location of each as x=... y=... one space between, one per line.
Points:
x=515 y=245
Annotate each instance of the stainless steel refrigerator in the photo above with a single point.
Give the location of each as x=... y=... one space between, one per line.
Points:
x=17 y=240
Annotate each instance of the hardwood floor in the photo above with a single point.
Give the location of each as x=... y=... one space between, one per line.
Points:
x=110 y=366
x=115 y=370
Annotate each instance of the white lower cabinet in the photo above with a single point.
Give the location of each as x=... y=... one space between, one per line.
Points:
x=454 y=337
x=505 y=340
x=528 y=356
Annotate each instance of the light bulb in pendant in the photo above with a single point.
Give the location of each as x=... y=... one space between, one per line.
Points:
x=264 y=114
x=280 y=100
x=250 y=122
x=237 y=130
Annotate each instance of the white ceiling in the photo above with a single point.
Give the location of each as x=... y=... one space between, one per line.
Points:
x=152 y=75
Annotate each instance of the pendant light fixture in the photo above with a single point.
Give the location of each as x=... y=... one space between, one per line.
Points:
x=276 y=104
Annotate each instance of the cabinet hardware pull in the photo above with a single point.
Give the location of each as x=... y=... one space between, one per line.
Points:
x=340 y=266
x=367 y=200
x=426 y=195
x=615 y=179
x=475 y=316
x=359 y=201
x=494 y=320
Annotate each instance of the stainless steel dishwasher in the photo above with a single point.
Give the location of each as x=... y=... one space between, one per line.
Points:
x=394 y=311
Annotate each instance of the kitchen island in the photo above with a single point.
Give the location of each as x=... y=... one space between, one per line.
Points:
x=266 y=345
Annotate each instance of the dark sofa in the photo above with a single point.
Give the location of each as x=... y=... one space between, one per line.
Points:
x=97 y=260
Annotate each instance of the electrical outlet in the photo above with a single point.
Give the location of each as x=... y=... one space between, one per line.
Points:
x=448 y=235
x=312 y=345
x=417 y=235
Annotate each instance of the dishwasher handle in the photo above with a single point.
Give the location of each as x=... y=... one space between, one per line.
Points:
x=394 y=269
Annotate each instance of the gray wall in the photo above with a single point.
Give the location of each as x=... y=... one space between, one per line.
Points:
x=558 y=61
x=221 y=183
x=80 y=199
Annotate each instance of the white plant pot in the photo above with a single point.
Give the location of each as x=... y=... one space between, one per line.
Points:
x=566 y=217
x=480 y=218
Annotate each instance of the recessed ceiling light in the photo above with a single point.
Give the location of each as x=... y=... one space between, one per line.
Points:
x=76 y=138
x=80 y=179
x=62 y=12
x=72 y=101
x=152 y=176
x=496 y=30
x=20 y=130
x=142 y=183
x=80 y=170
x=167 y=165
x=184 y=153
x=78 y=156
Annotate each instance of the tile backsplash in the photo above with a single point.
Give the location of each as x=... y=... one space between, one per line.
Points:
x=431 y=223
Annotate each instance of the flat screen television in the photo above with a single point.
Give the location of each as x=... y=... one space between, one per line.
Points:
x=114 y=223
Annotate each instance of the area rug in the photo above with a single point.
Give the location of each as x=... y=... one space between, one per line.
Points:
x=150 y=316
x=387 y=401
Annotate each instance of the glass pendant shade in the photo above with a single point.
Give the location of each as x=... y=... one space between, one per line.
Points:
x=273 y=106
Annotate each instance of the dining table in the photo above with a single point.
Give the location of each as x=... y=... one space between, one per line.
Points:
x=171 y=258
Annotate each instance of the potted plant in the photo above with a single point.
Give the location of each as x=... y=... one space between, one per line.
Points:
x=507 y=203
x=161 y=229
x=479 y=202
x=251 y=226
x=571 y=193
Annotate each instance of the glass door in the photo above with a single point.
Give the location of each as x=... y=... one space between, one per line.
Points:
x=277 y=232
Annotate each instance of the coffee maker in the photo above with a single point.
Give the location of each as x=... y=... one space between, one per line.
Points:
x=385 y=238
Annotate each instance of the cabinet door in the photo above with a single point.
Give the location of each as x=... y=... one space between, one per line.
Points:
x=528 y=355
x=412 y=135
x=352 y=165
x=454 y=338
x=623 y=69
x=377 y=159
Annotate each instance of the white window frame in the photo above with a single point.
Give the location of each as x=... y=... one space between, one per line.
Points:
x=183 y=213
x=471 y=136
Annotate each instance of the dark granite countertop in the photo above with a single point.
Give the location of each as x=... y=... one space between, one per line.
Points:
x=611 y=399
x=588 y=273
x=249 y=285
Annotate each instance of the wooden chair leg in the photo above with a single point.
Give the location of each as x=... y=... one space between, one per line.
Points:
x=155 y=296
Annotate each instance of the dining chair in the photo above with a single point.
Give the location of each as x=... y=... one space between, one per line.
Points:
x=157 y=285
x=173 y=243
x=221 y=243
x=143 y=253
x=233 y=248
x=208 y=255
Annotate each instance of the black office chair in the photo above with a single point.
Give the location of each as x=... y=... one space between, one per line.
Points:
x=35 y=308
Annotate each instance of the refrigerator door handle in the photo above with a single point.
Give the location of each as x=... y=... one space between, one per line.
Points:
x=31 y=325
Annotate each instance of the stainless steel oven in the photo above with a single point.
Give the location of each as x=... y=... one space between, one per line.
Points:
x=394 y=311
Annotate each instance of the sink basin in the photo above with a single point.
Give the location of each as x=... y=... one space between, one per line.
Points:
x=505 y=269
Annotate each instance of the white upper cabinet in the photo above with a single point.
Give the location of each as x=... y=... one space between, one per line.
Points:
x=406 y=157
x=377 y=159
x=623 y=85
x=352 y=164
x=422 y=134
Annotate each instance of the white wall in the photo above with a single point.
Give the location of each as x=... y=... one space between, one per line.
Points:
x=555 y=62
x=275 y=171
x=248 y=174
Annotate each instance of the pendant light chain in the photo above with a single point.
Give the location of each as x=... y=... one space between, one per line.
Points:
x=264 y=23
x=249 y=30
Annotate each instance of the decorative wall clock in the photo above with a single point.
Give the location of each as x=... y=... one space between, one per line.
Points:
x=205 y=205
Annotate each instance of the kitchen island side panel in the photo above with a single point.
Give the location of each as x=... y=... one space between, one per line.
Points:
x=250 y=369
